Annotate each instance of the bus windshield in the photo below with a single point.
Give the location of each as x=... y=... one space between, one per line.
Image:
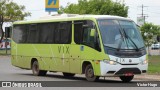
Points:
x=120 y=34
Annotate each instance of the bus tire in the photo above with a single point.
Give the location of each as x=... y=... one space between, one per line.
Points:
x=68 y=74
x=36 y=71
x=126 y=78
x=89 y=74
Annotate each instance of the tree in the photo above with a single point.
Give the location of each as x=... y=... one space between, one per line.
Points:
x=149 y=31
x=10 y=12
x=97 y=7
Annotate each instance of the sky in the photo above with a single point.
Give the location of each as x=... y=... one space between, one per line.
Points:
x=151 y=9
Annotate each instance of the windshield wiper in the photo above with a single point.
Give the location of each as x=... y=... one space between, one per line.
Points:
x=119 y=46
x=126 y=36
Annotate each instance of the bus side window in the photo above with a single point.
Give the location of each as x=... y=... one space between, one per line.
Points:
x=46 y=34
x=63 y=33
x=78 y=30
x=88 y=39
x=57 y=34
x=20 y=33
x=33 y=35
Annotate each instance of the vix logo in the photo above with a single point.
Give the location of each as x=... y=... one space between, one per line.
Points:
x=50 y=2
x=52 y=5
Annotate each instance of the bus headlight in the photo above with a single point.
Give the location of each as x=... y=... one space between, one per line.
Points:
x=110 y=62
x=144 y=62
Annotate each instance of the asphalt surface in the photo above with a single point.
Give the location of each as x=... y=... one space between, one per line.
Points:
x=11 y=73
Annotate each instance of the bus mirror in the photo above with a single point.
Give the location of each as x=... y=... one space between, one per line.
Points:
x=8 y=32
x=92 y=33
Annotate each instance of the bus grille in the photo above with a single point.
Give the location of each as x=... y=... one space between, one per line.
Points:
x=125 y=70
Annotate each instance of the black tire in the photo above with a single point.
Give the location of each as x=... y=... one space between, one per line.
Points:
x=36 y=71
x=126 y=78
x=68 y=74
x=89 y=73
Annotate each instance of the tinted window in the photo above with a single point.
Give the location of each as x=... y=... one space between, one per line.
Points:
x=20 y=33
x=33 y=35
x=63 y=33
x=47 y=32
x=58 y=33
x=78 y=30
x=82 y=34
x=87 y=39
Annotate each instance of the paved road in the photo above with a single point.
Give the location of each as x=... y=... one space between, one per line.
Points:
x=11 y=73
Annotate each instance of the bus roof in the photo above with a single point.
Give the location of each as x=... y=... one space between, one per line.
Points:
x=69 y=17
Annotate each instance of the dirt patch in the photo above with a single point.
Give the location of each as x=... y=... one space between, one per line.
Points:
x=4 y=57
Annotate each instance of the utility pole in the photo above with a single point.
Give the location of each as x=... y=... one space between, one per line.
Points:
x=142 y=10
x=142 y=14
x=143 y=17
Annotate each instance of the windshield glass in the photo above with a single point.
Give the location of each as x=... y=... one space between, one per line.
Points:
x=120 y=34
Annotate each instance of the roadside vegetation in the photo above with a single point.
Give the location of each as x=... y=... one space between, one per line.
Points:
x=154 y=65
x=96 y=7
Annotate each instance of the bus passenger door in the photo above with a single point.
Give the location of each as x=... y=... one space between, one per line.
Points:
x=90 y=45
x=75 y=57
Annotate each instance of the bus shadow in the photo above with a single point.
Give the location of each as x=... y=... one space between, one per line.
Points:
x=76 y=78
x=58 y=77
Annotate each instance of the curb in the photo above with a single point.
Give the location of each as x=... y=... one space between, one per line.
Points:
x=148 y=77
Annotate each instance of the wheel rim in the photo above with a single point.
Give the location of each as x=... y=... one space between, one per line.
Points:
x=35 y=69
x=90 y=73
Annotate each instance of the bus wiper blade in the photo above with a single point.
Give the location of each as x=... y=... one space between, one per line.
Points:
x=120 y=44
x=130 y=40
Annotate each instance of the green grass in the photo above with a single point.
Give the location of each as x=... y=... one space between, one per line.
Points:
x=154 y=65
x=3 y=52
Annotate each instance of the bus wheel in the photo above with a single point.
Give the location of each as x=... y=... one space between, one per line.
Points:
x=89 y=73
x=126 y=78
x=36 y=71
x=68 y=74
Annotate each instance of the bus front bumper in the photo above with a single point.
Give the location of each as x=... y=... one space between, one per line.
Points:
x=122 y=70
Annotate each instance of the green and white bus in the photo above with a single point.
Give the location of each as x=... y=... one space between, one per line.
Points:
x=94 y=45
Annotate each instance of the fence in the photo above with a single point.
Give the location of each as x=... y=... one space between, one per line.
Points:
x=5 y=47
